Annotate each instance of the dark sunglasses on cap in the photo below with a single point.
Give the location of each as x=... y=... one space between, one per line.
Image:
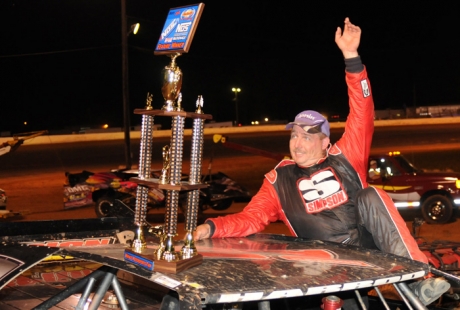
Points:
x=312 y=129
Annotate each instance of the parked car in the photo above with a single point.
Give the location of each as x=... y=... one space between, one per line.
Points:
x=436 y=194
x=85 y=188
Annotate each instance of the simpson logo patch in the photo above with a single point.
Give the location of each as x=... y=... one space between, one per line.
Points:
x=322 y=191
x=365 y=88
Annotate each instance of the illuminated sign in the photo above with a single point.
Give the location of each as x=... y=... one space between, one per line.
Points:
x=179 y=29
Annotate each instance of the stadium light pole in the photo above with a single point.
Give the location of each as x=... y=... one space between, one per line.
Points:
x=125 y=87
x=236 y=90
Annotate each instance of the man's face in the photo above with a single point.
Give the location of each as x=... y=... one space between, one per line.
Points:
x=306 y=148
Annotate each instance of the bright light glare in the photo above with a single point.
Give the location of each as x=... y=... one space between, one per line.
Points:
x=105 y=126
x=136 y=28
x=266 y=119
x=408 y=204
x=236 y=89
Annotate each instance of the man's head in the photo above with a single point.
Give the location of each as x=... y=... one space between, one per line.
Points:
x=373 y=163
x=309 y=137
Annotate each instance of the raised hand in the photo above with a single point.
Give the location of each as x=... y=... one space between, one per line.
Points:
x=348 y=40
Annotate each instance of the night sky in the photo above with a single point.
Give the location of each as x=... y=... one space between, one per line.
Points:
x=61 y=65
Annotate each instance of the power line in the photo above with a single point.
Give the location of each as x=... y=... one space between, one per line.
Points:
x=59 y=52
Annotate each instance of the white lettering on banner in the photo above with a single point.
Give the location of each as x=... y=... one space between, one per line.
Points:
x=322 y=191
x=170 y=27
x=365 y=88
x=183 y=27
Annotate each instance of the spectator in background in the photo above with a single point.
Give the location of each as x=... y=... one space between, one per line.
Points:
x=374 y=171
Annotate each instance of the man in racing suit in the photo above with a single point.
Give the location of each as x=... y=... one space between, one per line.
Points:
x=322 y=192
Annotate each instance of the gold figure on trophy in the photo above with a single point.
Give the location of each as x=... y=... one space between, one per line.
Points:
x=158 y=253
x=164 y=179
x=199 y=105
x=148 y=105
x=172 y=83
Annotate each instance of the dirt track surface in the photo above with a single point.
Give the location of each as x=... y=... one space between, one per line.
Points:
x=42 y=196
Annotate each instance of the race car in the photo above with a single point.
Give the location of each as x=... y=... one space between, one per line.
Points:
x=103 y=188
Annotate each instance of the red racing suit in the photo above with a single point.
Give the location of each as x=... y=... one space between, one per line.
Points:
x=330 y=200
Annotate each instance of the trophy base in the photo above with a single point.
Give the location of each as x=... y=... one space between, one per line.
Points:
x=149 y=262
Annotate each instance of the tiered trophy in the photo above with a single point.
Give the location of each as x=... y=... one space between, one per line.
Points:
x=165 y=258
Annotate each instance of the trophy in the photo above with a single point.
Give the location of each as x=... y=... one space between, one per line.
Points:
x=165 y=258
x=172 y=83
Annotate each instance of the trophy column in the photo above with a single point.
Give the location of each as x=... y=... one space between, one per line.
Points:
x=193 y=197
x=172 y=196
x=145 y=160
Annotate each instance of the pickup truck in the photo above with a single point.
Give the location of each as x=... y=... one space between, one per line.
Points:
x=436 y=194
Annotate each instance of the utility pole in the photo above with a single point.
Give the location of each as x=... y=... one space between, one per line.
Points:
x=125 y=87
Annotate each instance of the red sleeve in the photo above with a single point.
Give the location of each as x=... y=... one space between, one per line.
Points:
x=263 y=209
x=356 y=141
